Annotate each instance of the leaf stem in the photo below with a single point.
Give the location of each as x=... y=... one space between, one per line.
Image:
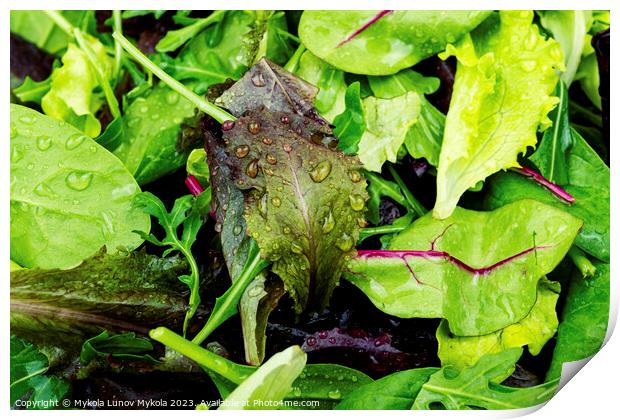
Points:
x=208 y=108
x=414 y=204
x=225 y=305
x=366 y=233
x=118 y=49
x=293 y=62
x=103 y=81
x=232 y=371
x=582 y=262
x=60 y=20
x=554 y=188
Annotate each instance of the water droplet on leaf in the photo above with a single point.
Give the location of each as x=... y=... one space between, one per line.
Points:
x=276 y=201
x=328 y=223
x=254 y=127
x=78 y=180
x=44 y=190
x=357 y=202
x=242 y=151
x=321 y=171
x=344 y=243
x=252 y=169
x=334 y=395
x=271 y=159
x=74 y=141
x=258 y=80
x=44 y=142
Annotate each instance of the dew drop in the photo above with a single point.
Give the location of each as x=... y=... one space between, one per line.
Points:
x=267 y=141
x=334 y=395
x=44 y=190
x=242 y=151
x=328 y=223
x=16 y=155
x=286 y=230
x=237 y=230
x=296 y=249
x=276 y=201
x=321 y=171
x=357 y=202
x=355 y=176
x=172 y=98
x=78 y=180
x=44 y=142
x=284 y=119
x=74 y=141
x=287 y=148
x=361 y=222
x=297 y=390
x=332 y=340
x=252 y=169
x=228 y=125
x=218 y=227
x=271 y=159
x=344 y=243
x=353 y=378
x=323 y=334
x=13 y=131
x=311 y=341
x=528 y=65
x=254 y=127
x=143 y=109
x=258 y=80
x=27 y=119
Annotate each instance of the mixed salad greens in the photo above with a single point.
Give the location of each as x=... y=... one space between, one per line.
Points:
x=318 y=209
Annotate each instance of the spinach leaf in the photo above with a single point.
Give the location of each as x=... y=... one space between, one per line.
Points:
x=382 y=42
x=424 y=138
x=330 y=100
x=534 y=330
x=404 y=81
x=393 y=392
x=588 y=183
x=119 y=346
x=176 y=38
x=492 y=118
x=151 y=125
x=28 y=381
x=69 y=196
x=112 y=292
x=477 y=387
x=478 y=270
x=584 y=319
x=265 y=388
x=350 y=124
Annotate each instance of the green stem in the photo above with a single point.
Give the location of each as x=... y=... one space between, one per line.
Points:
x=232 y=371
x=60 y=20
x=386 y=188
x=207 y=107
x=379 y=230
x=293 y=62
x=582 y=262
x=118 y=49
x=226 y=305
x=414 y=204
x=103 y=81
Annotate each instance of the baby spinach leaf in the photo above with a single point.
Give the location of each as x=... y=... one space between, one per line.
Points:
x=492 y=117
x=534 y=330
x=28 y=366
x=477 y=387
x=181 y=214
x=330 y=100
x=266 y=387
x=382 y=42
x=151 y=125
x=584 y=319
x=119 y=346
x=350 y=124
x=71 y=97
x=69 y=196
x=176 y=38
x=112 y=292
x=32 y=91
x=478 y=270
x=304 y=201
x=404 y=81
x=588 y=183
x=393 y=392
x=387 y=124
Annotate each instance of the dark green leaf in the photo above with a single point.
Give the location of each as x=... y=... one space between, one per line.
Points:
x=113 y=134
x=31 y=91
x=350 y=125
x=120 y=346
x=176 y=38
x=404 y=81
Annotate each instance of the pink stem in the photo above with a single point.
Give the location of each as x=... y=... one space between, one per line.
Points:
x=365 y=26
x=193 y=185
x=442 y=254
x=554 y=188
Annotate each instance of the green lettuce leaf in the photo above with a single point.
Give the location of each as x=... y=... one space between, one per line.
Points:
x=502 y=93
x=382 y=42
x=588 y=183
x=151 y=126
x=478 y=387
x=534 y=330
x=478 y=270
x=119 y=346
x=387 y=123
x=267 y=387
x=69 y=195
x=197 y=166
x=584 y=319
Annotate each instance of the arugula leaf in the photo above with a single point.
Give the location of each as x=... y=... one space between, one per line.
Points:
x=387 y=123
x=478 y=270
x=393 y=392
x=32 y=91
x=28 y=365
x=266 y=387
x=176 y=38
x=349 y=126
x=588 y=183
x=477 y=387
x=151 y=125
x=492 y=117
x=113 y=292
x=71 y=97
x=584 y=319
x=534 y=330
x=119 y=346
x=569 y=28
x=181 y=213
x=330 y=100
x=69 y=196
x=382 y=42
